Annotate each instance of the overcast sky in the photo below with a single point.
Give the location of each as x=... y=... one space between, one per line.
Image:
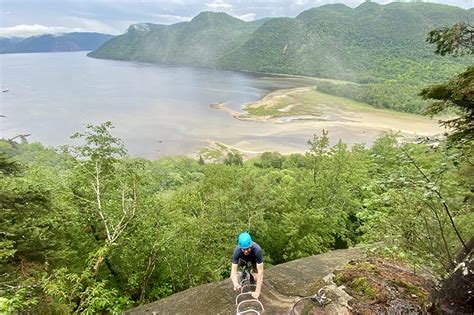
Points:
x=31 y=17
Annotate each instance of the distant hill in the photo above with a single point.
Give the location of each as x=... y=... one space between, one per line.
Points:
x=8 y=41
x=333 y=41
x=53 y=43
x=201 y=42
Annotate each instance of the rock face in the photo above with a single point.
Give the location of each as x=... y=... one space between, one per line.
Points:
x=456 y=294
x=380 y=285
x=284 y=285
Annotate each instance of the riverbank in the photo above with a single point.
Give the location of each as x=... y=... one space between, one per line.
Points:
x=306 y=103
x=305 y=111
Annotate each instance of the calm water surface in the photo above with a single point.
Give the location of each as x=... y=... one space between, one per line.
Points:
x=156 y=109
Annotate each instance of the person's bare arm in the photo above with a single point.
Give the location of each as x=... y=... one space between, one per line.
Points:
x=233 y=277
x=259 y=279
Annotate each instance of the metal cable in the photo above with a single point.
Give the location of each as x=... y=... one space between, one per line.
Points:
x=319 y=297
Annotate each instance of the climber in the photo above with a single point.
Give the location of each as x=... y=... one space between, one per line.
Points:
x=248 y=252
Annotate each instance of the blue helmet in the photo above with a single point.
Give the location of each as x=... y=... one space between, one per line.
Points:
x=245 y=240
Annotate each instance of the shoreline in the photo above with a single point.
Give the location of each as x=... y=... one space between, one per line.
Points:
x=255 y=73
x=303 y=110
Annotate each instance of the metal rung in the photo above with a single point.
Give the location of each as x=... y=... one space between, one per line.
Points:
x=241 y=294
x=247 y=285
x=249 y=301
x=241 y=282
x=249 y=311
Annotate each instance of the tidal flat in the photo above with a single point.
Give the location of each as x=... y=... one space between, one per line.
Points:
x=304 y=111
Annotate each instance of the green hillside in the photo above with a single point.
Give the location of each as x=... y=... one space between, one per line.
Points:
x=381 y=47
x=367 y=44
x=200 y=42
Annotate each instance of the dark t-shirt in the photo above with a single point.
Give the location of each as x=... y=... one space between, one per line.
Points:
x=255 y=256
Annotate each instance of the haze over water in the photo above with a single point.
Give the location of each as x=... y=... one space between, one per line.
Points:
x=156 y=109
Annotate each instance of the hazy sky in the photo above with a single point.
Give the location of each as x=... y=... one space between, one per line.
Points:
x=30 y=17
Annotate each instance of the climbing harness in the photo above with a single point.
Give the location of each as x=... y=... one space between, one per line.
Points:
x=319 y=297
x=246 y=290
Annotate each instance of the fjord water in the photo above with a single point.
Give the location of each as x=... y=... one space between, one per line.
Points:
x=156 y=109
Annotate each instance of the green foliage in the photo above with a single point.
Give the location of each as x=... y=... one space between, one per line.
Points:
x=20 y=300
x=456 y=94
x=455 y=40
x=361 y=286
x=7 y=165
x=201 y=160
x=95 y=296
x=396 y=95
x=233 y=158
x=99 y=145
x=25 y=207
x=104 y=232
x=295 y=160
x=414 y=202
x=270 y=159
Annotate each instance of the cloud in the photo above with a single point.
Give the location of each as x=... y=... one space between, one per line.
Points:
x=91 y=25
x=301 y=2
x=246 y=17
x=170 y=19
x=36 y=29
x=219 y=5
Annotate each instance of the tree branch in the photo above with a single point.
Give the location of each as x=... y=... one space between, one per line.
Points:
x=440 y=197
x=98 y=199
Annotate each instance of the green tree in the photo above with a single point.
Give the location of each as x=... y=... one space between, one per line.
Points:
x=105 y=188
x=458 y=93
x=455 y=40
x=415 y=202
x=233 y=158
x=271 y=159
x=24 y=206
x=201 y=160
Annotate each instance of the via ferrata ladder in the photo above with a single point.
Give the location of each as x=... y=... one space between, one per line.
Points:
x=246 y=289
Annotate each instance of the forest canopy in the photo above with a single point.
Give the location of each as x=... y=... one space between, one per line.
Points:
x=88 y=228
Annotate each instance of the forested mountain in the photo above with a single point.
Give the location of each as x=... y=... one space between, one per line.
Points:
x=364 y=44
x=202 y=41
x=53 y=43
x=8 y=41
x=380 y=47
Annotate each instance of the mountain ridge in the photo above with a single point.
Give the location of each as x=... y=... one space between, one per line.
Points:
x=382 y=47
x=199 y=42
x=75 y=41
x=331 y=41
